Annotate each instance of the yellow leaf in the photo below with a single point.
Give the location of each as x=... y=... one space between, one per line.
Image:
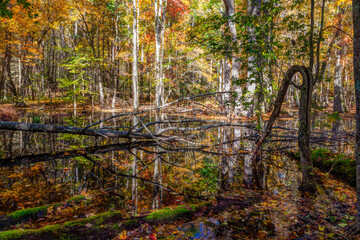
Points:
x=122 y=235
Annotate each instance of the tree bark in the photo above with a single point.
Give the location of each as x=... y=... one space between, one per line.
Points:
x=253 y=60
x=135 y=78
x=159 y=39
x=235 y=64
x=308 y=179
x=337 y=84
x=356 y=26
x=227 y=84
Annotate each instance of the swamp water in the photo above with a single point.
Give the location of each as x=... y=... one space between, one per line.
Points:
x=135 y=177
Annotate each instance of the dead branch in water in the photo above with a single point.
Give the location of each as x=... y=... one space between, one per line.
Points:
x=48 y=128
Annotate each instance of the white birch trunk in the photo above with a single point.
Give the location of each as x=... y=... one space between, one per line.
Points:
x=253 y=10
x=235 y=64
x=101 y=92
x=135 y=78
x=159 y=40
x=221 y=82
x=337 y=107
x=227 y=84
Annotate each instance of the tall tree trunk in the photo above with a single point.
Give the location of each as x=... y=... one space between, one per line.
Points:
x=227 y=84
x=253 y=60
x=134 y=183
x=101 y=92
x=157 y=168
x=160 y=6
x=235 y=63
x=221 y=77
x=135 y=78
x=8 y=82
x=356 y=26
x=308 y=179
x=338 y=83
x=228 y=162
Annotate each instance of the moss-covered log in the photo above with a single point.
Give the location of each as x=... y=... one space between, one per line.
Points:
x=103 y=226
x=107 y=225
x=34 y=213
x=339 y=165
x=77 y=229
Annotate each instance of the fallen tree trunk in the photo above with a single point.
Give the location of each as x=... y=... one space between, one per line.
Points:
x=47 y=128
x=338 y=165
x=110 y=224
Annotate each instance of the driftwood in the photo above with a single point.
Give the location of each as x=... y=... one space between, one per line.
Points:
x=46 y=128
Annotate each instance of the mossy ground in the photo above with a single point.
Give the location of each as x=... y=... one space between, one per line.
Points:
x=34 y=213
x=70 y=230
x=339 y=165
x=104 y=224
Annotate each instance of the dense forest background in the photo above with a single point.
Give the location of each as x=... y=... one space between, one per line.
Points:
x=84 y=50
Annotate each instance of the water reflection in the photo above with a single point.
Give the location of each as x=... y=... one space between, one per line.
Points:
x=40 y=168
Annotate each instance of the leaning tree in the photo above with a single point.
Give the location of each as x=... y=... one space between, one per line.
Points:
x=311 y=75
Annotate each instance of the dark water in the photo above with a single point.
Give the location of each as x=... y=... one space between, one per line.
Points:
x=40 y=168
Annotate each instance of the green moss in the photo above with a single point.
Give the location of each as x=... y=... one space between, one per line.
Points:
x=70 y=230
x=77 y=199
x=97 y=220
x=339 y=165
x=60 y=230
x=36 y=212
x=25 y=214
x=131 y=223
x=319 y=152
x=22 y=234
x=167 y=214
x=202 y=205
x=15 y=234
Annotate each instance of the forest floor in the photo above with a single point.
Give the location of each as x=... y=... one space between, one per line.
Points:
x=238 y=214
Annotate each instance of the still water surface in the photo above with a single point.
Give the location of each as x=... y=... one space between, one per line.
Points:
x=39 y=168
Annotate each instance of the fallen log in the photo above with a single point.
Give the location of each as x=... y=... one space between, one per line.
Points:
x=338 y=165
x=35 y=213
x=47 y=128
x=110 y=224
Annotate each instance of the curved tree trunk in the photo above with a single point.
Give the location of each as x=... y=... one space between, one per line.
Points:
x=308 y=182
